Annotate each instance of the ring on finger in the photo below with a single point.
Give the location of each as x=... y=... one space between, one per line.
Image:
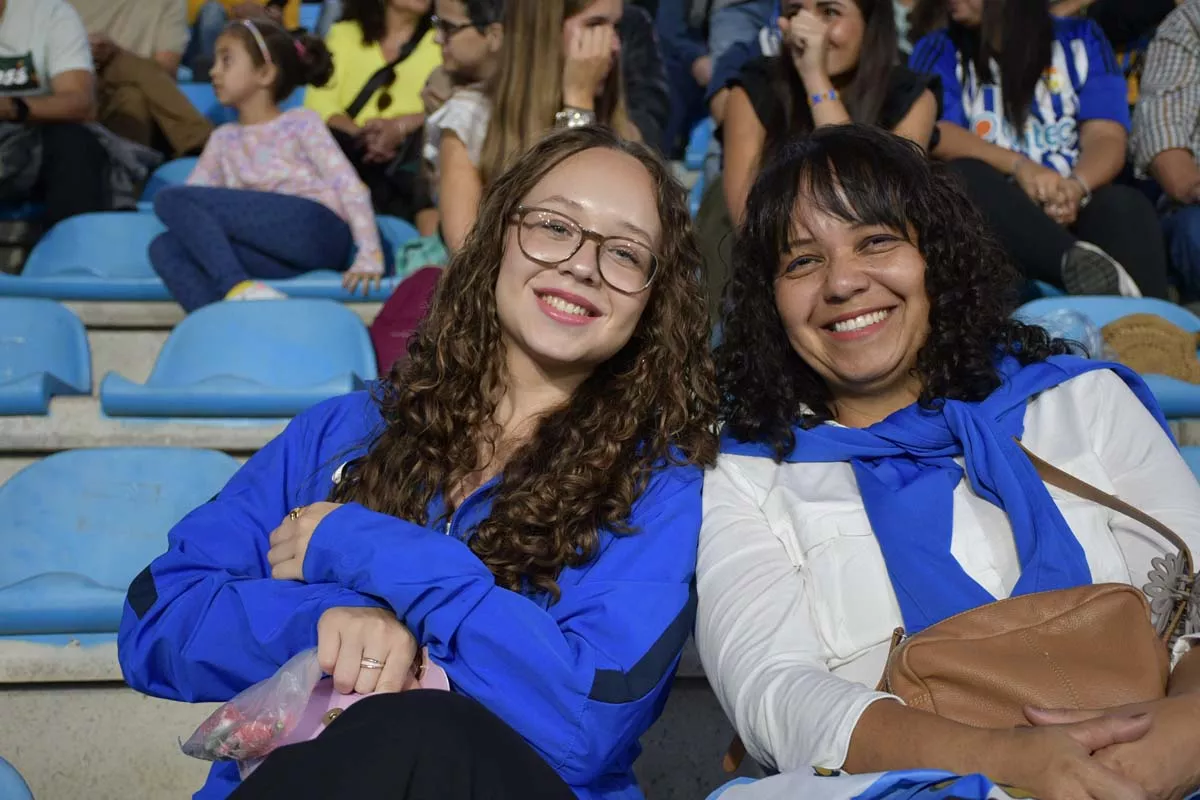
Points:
x=295 y=513
x=371 y=663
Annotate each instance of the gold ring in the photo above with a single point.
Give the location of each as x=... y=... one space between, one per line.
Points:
x=371 y=663
x=295 y=513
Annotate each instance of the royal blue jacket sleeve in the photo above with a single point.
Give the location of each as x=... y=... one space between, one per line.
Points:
x=206 y=620
x=1105 y=93
x=581 y=679
x=935 y=54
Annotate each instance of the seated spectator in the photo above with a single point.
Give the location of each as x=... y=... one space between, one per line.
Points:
x=521 y=497
x=873 y=381
x=644 y=74
x=682 y=29
x=272 y=195
x=47 y=95
x=566 y=81
x=209 y=17
x=1166 y=136
x=1038 y=133
x=834 y=68
x=726 y=70
x=383 y=53
x=731 y=22
x=136 y=47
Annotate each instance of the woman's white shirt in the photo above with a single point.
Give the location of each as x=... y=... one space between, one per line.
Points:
x=466 y=115
x=796 y=608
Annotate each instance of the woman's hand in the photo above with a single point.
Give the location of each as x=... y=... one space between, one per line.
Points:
x=354 y=281
x=289 y=542
x=365 y=650
x=807 y=37
x=383 y=137
x=1065 y=208
x=437 y=90
x=589 y=59
x=1165 y=762
x=1042 y=184
x=1056 y=762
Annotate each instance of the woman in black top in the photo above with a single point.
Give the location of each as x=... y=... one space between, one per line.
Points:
x=838 y=65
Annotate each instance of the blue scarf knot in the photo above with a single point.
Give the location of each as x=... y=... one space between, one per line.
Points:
x=906 y=472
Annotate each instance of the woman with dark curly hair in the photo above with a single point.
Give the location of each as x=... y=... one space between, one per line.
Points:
x=869 y=363
x=521 y=498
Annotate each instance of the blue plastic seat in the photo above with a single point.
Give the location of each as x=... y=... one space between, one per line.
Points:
x=77 y=526
x=327 y=284
x=12 y=785
x=43 y=352
x=310 y=15
x=263 y=358
x=1177 y=398
x=698 y=142
x=171 y=173
x=101 y=256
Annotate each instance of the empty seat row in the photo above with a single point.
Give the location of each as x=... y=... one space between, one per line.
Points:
x=105 y=256
x=227 y=360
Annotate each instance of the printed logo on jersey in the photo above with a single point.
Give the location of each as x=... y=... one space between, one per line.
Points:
x=18 y=74
x=1038 y=137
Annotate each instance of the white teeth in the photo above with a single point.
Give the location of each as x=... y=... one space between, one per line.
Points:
x=857 y=323
x=564 y=306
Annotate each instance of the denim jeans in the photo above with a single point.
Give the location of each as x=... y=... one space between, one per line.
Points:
x=201 y=49
x=1181 y=226
x=739 y=22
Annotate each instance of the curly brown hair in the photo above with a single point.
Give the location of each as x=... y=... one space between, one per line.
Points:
x=866 y=176
x=589 y=460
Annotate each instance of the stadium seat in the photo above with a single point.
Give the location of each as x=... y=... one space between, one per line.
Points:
x=327 y=284
x=696 y=195
x=43 y=352
x=100 y=256
x=79 y=525
x=171 y=173
x=12 y=785
x=204 y=98
x=1178 y=399
x=310 y=15
x=268 y=358
x=698 y=142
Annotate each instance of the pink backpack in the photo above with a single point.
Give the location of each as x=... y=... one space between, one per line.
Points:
x=401 y=314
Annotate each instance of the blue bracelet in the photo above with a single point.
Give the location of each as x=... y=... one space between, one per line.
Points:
x=818 y=98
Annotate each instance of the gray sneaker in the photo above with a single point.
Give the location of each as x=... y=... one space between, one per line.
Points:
x=1086 y=269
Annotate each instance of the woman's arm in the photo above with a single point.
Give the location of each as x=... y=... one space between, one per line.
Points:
x=580 y=679
x=744 y=137
x=956 y=141
x=205 y=620
x=917 y=125
x=1102 y=146
x=336 y=172
x=460 y=189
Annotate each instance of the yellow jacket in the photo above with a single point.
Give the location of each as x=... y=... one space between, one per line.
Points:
x=353 y=65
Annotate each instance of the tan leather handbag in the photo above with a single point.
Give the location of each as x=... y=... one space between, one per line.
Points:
x=1089 y=647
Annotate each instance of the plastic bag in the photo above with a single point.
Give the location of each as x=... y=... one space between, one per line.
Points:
x=257 y=721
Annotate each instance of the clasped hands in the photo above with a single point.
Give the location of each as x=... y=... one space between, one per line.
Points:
x=1061 y=198
x=366 y=650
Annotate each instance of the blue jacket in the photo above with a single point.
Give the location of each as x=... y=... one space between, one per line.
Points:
x=581 y=680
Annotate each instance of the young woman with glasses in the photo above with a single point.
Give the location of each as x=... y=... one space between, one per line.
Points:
x=521 y=497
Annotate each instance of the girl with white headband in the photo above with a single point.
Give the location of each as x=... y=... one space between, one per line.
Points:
x=272 y=196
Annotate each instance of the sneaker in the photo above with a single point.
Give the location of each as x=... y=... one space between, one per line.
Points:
x=254 y=290
x=1086 y=269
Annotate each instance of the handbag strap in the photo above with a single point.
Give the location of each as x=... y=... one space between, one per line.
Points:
x=381 y=76
x=1069 y=483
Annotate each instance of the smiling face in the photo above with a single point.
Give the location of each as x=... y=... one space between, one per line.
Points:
x=852 y=300
x=235 y=78
x=468 y=53
x=846 y=27
x=566 y=318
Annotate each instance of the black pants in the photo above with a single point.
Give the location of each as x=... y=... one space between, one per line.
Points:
x=418 y=745
x=1119 y=220
x=399 y=188
x=74 y=176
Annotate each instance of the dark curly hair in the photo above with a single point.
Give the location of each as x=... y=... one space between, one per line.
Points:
x=299 y=59
x=867 y=176
x=588 y=461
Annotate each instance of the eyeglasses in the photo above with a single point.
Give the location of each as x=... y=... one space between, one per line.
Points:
x=445 y=29
x=550 y=238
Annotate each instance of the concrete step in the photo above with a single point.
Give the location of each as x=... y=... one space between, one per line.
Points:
x=156 y=315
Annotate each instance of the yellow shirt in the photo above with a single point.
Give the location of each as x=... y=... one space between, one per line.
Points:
x=291 y=12
x=353 y=65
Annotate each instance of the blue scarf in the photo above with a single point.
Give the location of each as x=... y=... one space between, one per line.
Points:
x=906 y=475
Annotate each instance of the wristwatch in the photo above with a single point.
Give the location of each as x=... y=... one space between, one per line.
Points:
x=572 y=117
x=20 y=109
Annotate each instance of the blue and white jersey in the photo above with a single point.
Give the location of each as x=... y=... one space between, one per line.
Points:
x=1083 y=81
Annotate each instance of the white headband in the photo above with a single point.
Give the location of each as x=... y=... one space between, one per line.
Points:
x=258 y=37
